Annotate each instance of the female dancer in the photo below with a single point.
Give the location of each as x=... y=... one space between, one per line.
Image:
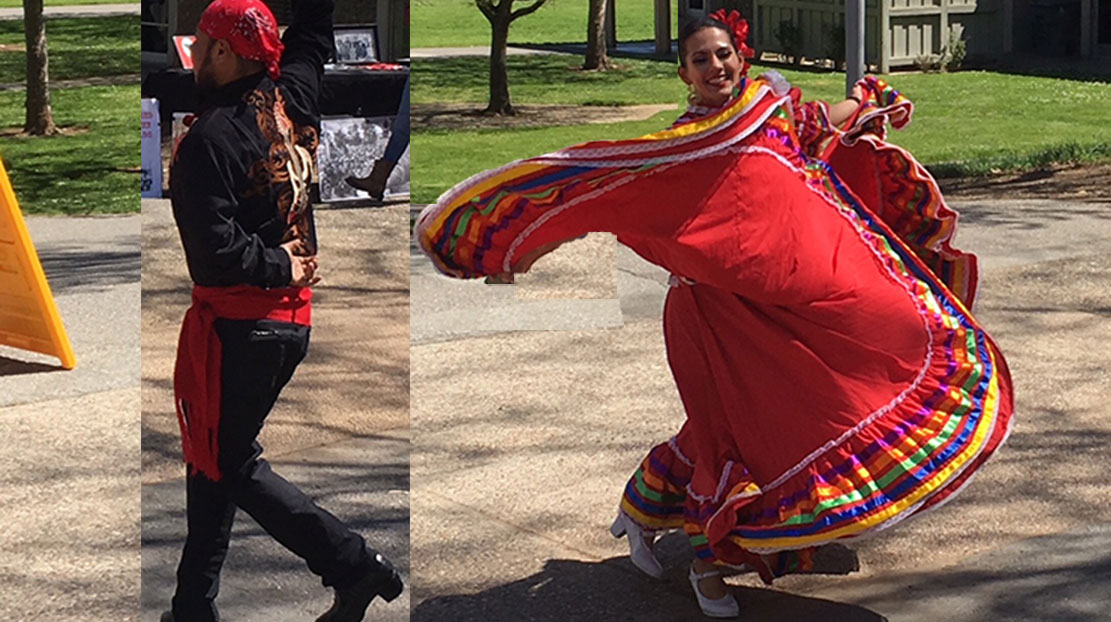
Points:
x=818 y=329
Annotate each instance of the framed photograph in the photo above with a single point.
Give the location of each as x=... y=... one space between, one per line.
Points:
x=357 y=46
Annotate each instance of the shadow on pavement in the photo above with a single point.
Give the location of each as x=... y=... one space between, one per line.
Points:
x=71 y=267
x=1062 y=577
x=97 y=602
x=14 y=367
x=1080 y=183
x=571 y=591
x=1034 y=214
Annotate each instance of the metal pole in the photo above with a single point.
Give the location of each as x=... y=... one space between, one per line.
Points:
x=854 y=43
x=663 y=27
x=384 y=17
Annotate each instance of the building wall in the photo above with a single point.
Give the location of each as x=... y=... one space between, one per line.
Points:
x=347 y=12
x=897 y=32
x=916 y=28
x=709 y=6
x=1057 y=28
x=818 y=22
x=983 y=31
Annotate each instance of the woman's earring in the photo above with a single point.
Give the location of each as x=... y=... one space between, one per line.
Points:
x=691 y=94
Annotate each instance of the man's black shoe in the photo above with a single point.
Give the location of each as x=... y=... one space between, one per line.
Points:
x=352 y=601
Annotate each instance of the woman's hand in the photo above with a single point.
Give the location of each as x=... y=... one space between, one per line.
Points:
x=841 y=112
x=858 y=93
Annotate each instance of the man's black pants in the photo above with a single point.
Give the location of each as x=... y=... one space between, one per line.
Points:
x=259 y=357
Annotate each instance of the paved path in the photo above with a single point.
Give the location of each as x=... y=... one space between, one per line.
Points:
x=340 y=429
x=523 y=440
x=88 y=10
x=69 y=481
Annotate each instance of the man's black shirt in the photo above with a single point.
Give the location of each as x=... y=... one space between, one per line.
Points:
x=239 y=178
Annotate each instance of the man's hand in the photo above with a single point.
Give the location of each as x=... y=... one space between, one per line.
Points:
x=302 y=269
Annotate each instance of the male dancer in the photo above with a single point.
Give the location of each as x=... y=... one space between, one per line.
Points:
x=239 y=186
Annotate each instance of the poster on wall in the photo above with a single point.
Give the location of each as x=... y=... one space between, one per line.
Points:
x=348 y=147
x=150 y=150
x=184 y=45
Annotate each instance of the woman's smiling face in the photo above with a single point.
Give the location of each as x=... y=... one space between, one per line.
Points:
x=711 y=66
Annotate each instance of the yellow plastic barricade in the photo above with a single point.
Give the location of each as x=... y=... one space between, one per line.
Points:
x=29 y=318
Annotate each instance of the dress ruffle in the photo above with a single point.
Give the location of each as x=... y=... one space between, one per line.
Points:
x=888 y=180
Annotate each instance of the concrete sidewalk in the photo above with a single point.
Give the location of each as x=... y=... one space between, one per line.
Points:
x=69 y=481
x=87 y=10
x=339 y=430
x=523 y=441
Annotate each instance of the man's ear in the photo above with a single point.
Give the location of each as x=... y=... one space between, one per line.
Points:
x=220 y=48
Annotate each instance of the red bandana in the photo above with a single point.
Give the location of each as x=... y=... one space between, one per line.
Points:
x=249 y=27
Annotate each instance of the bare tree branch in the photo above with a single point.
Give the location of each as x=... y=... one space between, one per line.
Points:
x=500 y=14
x=486 y=7
x=527 y=10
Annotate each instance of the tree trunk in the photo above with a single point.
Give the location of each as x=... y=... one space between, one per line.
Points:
x=39 y=120
x=499 y=73
x=596 y=37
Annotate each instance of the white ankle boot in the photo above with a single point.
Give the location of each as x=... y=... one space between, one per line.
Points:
x=640 y=552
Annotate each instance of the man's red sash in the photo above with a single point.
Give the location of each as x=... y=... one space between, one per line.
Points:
x=199 y=353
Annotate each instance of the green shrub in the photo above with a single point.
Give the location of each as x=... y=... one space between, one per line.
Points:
x=954 y=52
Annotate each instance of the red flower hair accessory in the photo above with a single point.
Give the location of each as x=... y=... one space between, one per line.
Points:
x=739 y=26
x=249 y=27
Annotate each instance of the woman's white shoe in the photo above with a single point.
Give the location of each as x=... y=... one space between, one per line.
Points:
x=640 y=552
x=724 y=607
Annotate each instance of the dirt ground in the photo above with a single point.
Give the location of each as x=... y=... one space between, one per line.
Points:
x=1084 y=183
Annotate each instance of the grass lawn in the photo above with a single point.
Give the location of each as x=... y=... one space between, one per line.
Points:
x=546 y=79
x=78 y=48
x=965 y=123
x=78 y=174
x=452 y=23
x=442 y=159
x=7 y=4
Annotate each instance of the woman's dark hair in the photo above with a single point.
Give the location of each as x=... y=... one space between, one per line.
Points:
x=691 y=27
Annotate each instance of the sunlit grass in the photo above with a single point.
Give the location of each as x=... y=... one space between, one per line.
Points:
x=452 y=23
x=88 y=172
x=77 y=47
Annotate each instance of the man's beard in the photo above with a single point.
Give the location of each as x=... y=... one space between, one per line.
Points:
x=205 y=81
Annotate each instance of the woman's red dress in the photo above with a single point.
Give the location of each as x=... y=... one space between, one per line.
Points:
x=833 y=377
